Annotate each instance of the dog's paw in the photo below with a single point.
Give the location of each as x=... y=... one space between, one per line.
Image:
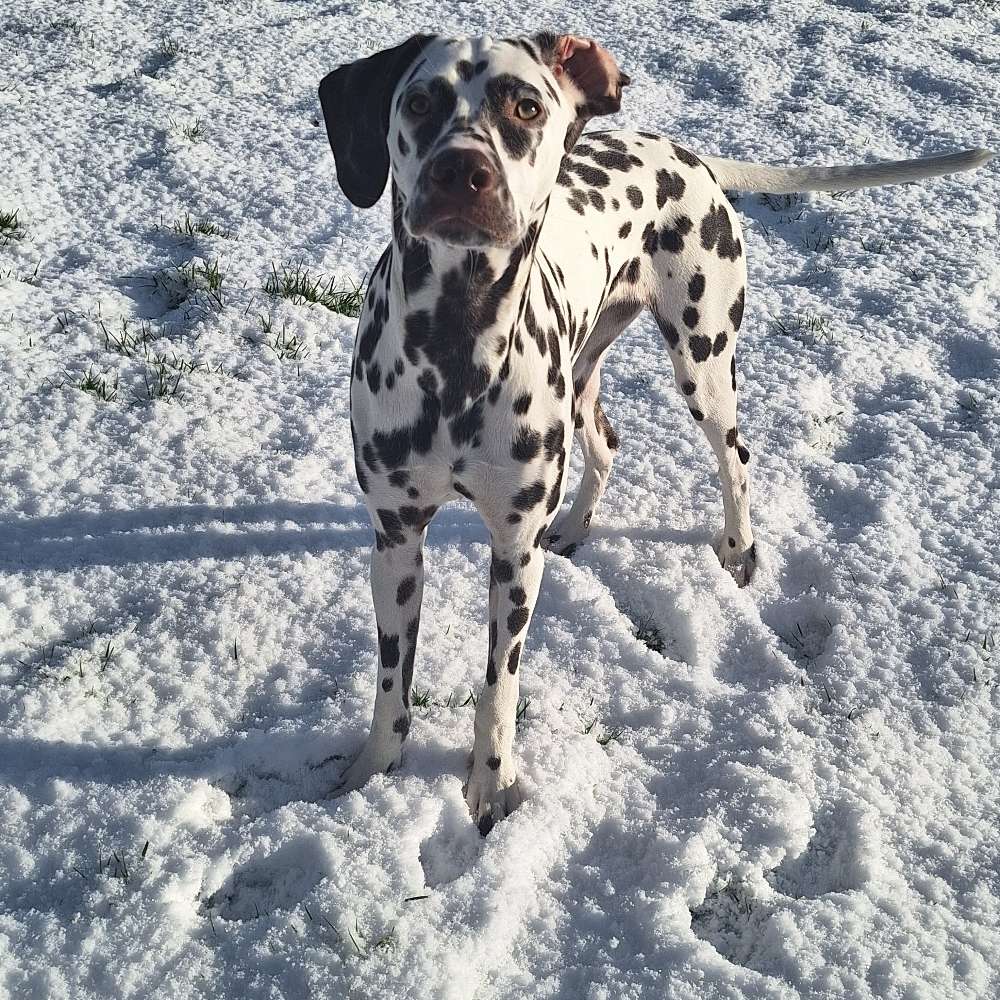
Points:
x=739 y=563
x=491 y=795
x=373 y=759
x=567 y=536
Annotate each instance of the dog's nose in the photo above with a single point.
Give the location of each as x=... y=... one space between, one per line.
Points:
x=463 y=172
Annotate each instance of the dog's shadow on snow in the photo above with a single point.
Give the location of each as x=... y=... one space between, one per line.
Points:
x=203 y=531
x=194 y=531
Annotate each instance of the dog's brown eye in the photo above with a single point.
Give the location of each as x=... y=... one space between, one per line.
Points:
x=419 y=104
x=526 y=109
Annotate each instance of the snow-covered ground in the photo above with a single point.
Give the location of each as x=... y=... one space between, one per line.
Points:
x=791 y=790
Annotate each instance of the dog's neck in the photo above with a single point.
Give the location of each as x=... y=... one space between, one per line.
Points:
x=460 y=306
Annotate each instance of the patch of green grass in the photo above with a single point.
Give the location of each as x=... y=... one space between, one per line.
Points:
x=521 y=712
x=200 y=227
x=192 y=131
x=116 y=865
x=649 y=634
x=808 y=642
x=64 y=24
x=420 y=699
x=819 y=241
x=160 y=381
x=170 y=49
x=298 y=285
x=27 y=279
x=130 y=341
x=611 y=736
x=204 y=274
x=196 y=277
x=72 y=655
x=101 y=385
x=604 y=736
x=808 y=327
x=11 y=227
x=288 y=347
x=877 y=244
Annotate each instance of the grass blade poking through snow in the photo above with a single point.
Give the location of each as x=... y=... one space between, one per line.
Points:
x=298 y=285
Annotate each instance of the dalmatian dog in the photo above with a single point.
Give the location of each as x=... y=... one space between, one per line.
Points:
x=521 y=249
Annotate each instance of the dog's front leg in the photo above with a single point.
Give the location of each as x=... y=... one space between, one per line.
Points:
x=397 y=575
x=515 y=576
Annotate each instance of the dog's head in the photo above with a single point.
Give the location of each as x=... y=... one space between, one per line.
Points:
x=472 y=130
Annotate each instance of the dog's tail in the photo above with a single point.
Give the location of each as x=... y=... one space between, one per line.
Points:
x=735 y=175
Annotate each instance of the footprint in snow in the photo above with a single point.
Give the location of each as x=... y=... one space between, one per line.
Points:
x=279 y=881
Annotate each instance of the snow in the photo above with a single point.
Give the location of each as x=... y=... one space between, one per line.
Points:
x=797 y=796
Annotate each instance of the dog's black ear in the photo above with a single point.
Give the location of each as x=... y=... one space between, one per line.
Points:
x=356 y=102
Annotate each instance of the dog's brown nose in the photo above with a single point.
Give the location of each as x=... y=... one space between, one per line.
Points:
x=463 y=172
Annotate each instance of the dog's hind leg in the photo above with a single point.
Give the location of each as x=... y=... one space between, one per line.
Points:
x=598 y=442
x=597 y=438
x=700 y=331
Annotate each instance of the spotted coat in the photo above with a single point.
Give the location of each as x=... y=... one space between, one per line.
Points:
x=482 y=334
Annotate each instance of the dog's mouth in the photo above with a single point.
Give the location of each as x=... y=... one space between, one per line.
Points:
x=462 y=225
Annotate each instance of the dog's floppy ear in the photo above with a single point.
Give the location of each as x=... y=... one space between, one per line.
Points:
x=356 y=102
x=588 y=75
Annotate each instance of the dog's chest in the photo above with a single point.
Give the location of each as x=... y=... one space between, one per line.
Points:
x=463 y=364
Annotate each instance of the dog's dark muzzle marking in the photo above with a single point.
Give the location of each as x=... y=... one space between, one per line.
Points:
x=463 y=199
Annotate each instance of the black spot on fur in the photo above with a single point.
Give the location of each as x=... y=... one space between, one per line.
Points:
x=684 y=156
x=502 y=571
x=516 y=620
x=717 y=232
x=625 y=230
x=427 y=128
x=669 y=185
x=720 y=344
x=388 y=651
x=554 y=439
x=493 y=763
x=522 y=403
x=402 y=726
x=526 y=445
x=736 y=309
x=604 y=426
x=405 y=590
x=669 y=332
x=416 y=266
x=612 y=160
x=634 y=196
x=672 y=238
x=701 y=347
x=696 y=287
x=691 y=317
x=744 y=453
x=588 y=174
x=650 y=240
x=688 y=388
x=529 y=497
x=696 y=413
x=514 y=658
x=517 y=139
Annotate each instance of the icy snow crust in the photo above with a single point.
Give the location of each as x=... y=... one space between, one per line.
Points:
x=803 y=796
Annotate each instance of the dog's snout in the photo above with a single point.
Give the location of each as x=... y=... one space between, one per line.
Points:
x=463 y=172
